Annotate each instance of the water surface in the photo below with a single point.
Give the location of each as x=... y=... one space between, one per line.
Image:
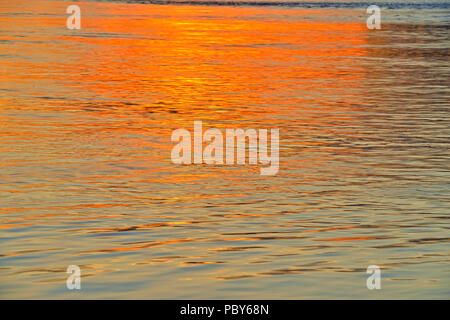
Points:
x=85 y=171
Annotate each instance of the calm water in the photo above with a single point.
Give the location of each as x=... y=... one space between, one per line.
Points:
x=86 y=176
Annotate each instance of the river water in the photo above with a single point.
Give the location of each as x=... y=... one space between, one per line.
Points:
x=86 y=176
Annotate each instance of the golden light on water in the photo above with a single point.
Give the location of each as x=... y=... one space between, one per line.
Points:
x=86 y=176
